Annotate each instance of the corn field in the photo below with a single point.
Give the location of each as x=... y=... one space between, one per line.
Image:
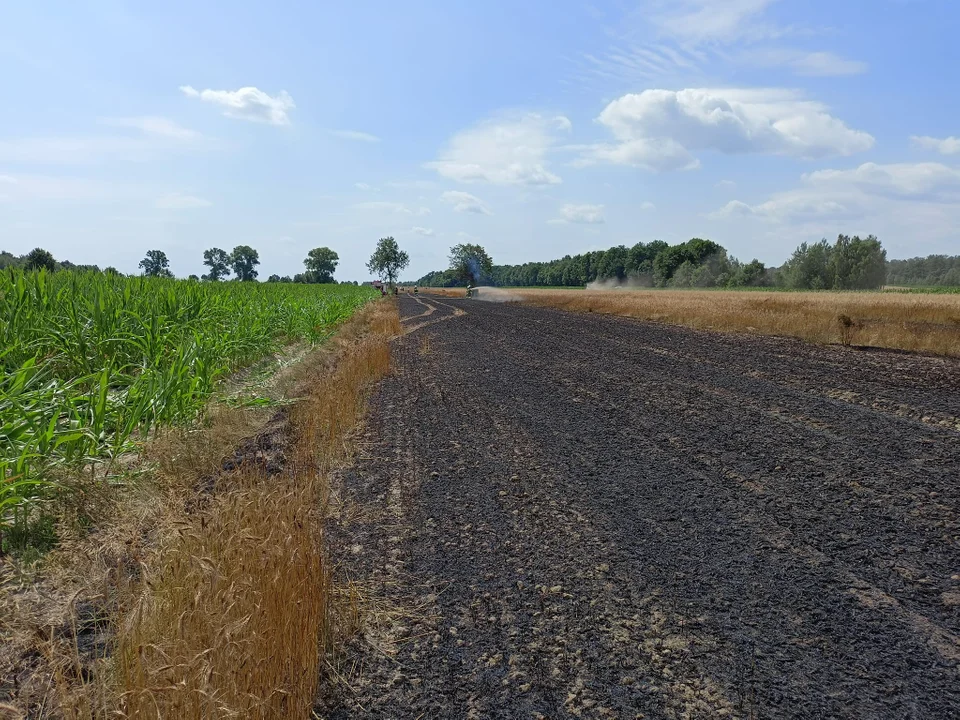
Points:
x=92 y=362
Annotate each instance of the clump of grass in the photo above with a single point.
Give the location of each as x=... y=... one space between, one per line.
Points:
x=237 y=608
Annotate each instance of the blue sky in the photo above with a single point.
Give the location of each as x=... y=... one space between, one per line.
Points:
x=537 y=129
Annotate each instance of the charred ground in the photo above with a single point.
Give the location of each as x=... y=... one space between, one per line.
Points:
x=579 y=515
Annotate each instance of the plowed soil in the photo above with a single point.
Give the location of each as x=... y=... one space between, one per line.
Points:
x=573 y=515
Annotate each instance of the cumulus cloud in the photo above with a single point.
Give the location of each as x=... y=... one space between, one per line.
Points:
x=465 y=202
x=395 y=207
x=506 y=151
x=660 y=129
x=247 y=103
x=179 y=201
x=361 y=186
x=944 y=146
x=581 y=214
x=856 y=192
x=355 y=135
x=648 y=206
x=426 y=232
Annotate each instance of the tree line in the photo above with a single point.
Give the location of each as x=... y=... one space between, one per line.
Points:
x=850 y=263
x=387 y=261
x=930 y=271
x=241 y=262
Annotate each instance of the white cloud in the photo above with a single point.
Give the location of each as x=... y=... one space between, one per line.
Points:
x=944 y=146
x=179 y=201
x=582 y=214
x=24 y=188
x=426 y=232
x=153 y=125
x=156 y=135
x=465 y=202
x=361 y=186
x=507 y=151
x=913 y=208
x=355 y=135
x=247 y=103
x=867 y=189
x=658 y=129
x=647 y=206
x=726 y=185
x=826 y=64
x=703 y=21
x=384 y=206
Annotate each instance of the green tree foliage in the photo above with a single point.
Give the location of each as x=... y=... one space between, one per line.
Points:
x=38 y=259
x=155 y=264
x=469 y=263
x=849 y=264
x=219 y=262
x=321 y=263
x=931 y=271
x=704 y=263
x=388 y=260
x=244 y=260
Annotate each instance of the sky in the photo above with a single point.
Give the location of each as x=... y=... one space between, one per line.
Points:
x=537 y=129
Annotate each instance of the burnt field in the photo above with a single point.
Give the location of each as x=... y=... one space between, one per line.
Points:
x=559 y=515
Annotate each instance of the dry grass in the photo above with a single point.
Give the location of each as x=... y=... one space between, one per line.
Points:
x=213 y=588
x=915 y=322
x=238 y=608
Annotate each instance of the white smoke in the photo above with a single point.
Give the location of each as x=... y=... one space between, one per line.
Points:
x=494 y=294
x=633 y=282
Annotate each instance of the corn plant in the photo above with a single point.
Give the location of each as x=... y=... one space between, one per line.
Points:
x=92 y=363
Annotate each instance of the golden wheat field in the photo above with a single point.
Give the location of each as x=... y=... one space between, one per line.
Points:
x=915 y=322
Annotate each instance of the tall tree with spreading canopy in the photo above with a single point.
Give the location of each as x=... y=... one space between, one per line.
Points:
x=155 y=264
x=219 y=263
x=388 y=260
x=469 y=263
x=245 y=260
x=39 y=258
x=321 y=263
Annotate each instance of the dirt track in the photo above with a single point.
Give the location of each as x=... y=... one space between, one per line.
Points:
x=579 y=515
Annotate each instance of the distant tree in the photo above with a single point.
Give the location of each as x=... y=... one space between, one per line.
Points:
x=274 y=279
x=753 y=274
x=614 y=263
x=155 y=264
x=193 y=277
x=10 y=260
x=469 y=263
x=849 y=264
x=388 y=260
x=322 y=263
x=219 y=263
x=858 y=264
x=931 y=271
x=245 y=260
x=38 y=258
x=110 y=270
